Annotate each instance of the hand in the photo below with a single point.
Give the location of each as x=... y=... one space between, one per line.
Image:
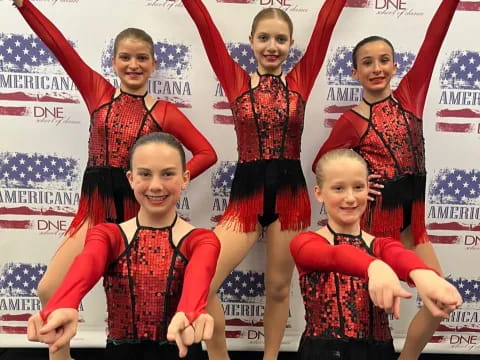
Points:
x=18 y=3
x=60 y=328
x=185 y=334
x=439 y=296
x=372 y=185
x=385 y=289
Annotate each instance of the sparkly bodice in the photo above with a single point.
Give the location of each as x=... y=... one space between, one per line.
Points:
x=338 y=306
x=115 y=127
x=269 y=121
x=393 y=144
x=143 y=286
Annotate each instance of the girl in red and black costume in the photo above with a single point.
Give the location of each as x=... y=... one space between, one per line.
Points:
x=156 y=267
x=268 y=189
x=341 y=268
x=118 y=118
x=386 y=129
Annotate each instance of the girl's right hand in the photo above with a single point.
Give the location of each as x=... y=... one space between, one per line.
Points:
x=18 y=3
x=384 y=288
x=372 y=185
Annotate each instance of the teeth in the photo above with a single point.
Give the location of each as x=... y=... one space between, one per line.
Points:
x=156 y=198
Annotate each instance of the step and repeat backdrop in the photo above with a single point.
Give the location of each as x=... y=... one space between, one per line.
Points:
x=44 y=127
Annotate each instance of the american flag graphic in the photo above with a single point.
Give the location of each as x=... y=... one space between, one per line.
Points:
x=24 y=177
x=221 y=183
x=459 y=75
x=243 y=54
x=18 y=285
x=25 y=54
x=457 y=189
x=340 y=80
x=173 y=63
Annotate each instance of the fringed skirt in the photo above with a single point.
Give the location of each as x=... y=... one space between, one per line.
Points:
x=106 y=196
x=265 y=190
x=401 y=204
x=345 y=349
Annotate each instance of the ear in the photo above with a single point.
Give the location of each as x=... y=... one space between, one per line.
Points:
x=395 y=68
x=318 y=193
x=186 y=179
x=354 y=73
x=130 y=178
x=113 y=64
x=250 y=40
x=292 y=42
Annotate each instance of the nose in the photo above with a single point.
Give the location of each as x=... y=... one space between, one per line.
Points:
x=376 y=67
x=133 y=64
x=271 y=45
x=156 y=184
x=349 y=197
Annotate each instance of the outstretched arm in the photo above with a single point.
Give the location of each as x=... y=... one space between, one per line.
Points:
x=306 y=71
x=231 y=76
x=412 y=90
x=176 y=123
x=90 y=84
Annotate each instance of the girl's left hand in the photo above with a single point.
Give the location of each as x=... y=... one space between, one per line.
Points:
x=372 y=185
x=438 y=295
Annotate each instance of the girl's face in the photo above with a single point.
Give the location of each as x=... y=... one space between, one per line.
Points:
x=271 y=43
x=375 y=69
x=157 y=180
x=134 y=64
x=344 y=192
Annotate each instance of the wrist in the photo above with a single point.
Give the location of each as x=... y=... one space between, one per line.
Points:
x=418 y=274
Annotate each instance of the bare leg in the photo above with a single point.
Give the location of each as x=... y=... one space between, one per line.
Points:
x=235 y=246
x=56 y=271
x=423 y=325
x=278 y=280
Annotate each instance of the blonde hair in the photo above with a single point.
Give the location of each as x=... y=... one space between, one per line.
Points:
x=333 y=156
x=271 y=13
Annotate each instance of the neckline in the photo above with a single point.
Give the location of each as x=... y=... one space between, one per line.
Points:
x=267 y=74
x=359 y=236
x=378 y=101
x=133 y=95
x=139 y=226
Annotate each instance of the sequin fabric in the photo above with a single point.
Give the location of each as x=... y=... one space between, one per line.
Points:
x=393 y=144
x=269 y=121
x=338 y=306
x=143 y=287
x=114 y=129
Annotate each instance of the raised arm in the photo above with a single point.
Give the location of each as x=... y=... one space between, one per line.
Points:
x=231 y=76
x=412 y=90
x=202 y=249
x=176 y=123
x=102 y=245
x=90 y=84
x=305 y=72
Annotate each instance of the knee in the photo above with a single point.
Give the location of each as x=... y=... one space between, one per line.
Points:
x=278 y=291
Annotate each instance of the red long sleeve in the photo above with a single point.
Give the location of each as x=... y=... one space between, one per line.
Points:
x=174 y=122
x=102 y=245
x=92 y=86
x=400 y=259
x=202 y=248
x=412 y=90
x=232 y=77
x=306 y=70
x=312 y=252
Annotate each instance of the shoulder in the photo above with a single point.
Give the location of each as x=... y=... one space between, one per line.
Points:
x=104 y=230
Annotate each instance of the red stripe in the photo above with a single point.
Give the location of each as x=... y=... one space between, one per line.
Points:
x=446 y=328
x=459 y=113
x=436 y=239
x=233 y=334
x=222 y=105
x=240 y=322
x=357 y=3
x=436 y=339
x=15 y=224
x=328 y=123
x=223 y=119
x=335 y=109
x=23 y=210
x=13 y=110
x=456 y=128
x=20 y=96
x=13 y=330
x=10 y=317
x=469 y=6
x=453 y=226
x=236 y=1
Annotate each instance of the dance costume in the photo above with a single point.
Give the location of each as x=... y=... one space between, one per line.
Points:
x=341 y=321
x=116 y=123
x=391 y=141
x=146 y=280
x=268 y=182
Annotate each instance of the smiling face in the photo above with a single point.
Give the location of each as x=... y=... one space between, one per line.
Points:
x=375 y=68
x=271 y=42
x=134 y=64
x=157 y=179
x=344 y=192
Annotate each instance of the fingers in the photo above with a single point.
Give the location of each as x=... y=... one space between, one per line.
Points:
x=208 y=329
x=434 y=309
x=63 y=337
x=396 y=308
x=32 y=330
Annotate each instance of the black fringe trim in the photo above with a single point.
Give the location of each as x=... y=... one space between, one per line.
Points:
x=404 y=189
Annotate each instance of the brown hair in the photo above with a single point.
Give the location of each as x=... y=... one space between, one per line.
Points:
x=159 y=138
x=133 y=33
x=368 y=40
x=271 y=13
x=336 y=155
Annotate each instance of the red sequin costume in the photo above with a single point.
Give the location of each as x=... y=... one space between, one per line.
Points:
x=341 y=321
x=116 y=123
x=391 y=141
x=146 y=280
x=269 y=181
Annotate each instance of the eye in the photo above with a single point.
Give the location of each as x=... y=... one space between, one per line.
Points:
x=124 y=57
x=262 y=37
x=360 y=187
x=143 y=173
x=282 y=39
x=143 y=58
